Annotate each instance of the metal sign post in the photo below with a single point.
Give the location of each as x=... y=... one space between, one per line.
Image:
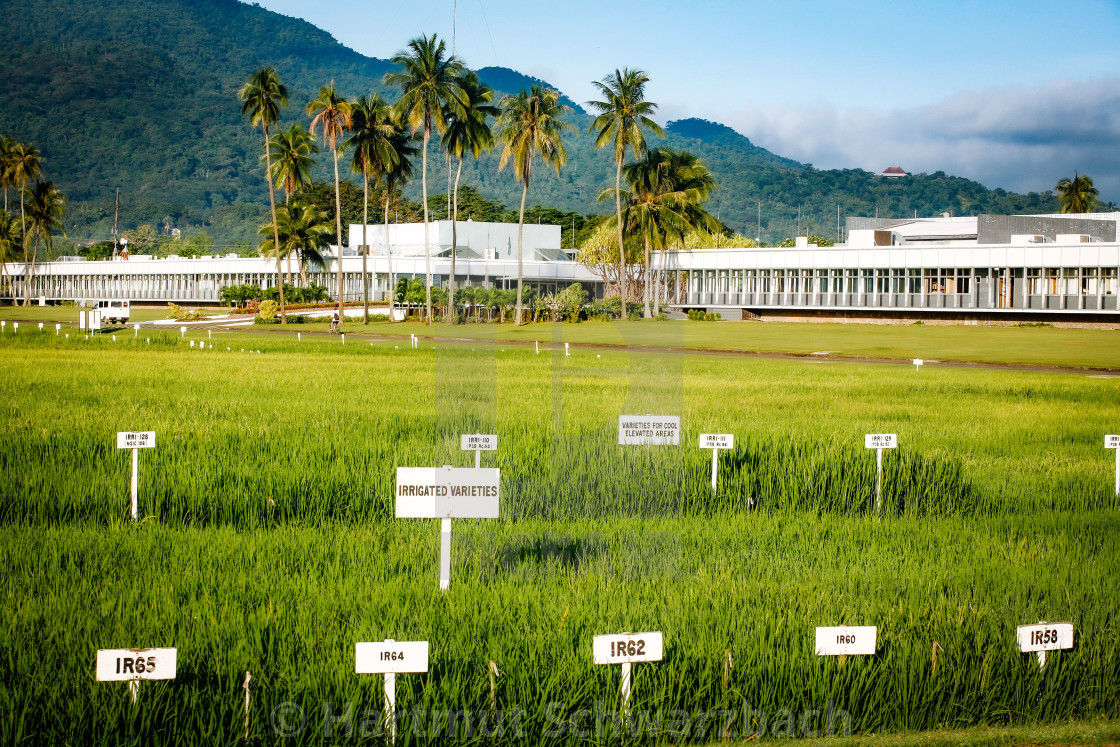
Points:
x=136 y=440
x=879 y=441
x=627 y=649
x=447 y=493
x=1113 y=442
x=715 y=442
x=478 y=443
x=389 y=657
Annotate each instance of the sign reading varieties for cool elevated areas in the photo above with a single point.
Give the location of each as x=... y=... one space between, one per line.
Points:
x=121 y=664
x=627 y=647
x=136 y=439
x=649 y=430
x=390 y=656
x=447 y=493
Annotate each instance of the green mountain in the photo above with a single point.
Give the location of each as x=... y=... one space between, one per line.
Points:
x=140 y=95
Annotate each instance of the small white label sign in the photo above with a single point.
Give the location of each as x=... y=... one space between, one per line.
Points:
x=479 y=442
x=880 y=441
x=850 y=640
x=1112 y=442
x=121 y=664
x=717 y=440
x=649 y=430
x=627 y=647
x=918 y=361
x=447 y=493
x=1045 y=637
x=391 y=656
x=136 y=440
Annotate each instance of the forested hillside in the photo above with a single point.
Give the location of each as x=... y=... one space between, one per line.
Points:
x=140 y=95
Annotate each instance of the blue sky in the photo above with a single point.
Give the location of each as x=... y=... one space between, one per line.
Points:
x=1014 y=94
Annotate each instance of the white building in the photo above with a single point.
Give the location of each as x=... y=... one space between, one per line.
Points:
x=475 y=240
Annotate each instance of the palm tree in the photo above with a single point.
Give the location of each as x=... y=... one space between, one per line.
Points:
x=333 y=113
x=371 y=140
x=665 y=201
x=46 y=205
x=261 y=98
x=24 y=164
x=393 y=178
x=467 y=132
x=291 y=164
x=1077 y=195
x=623 y=113
x=304 y=228
x=9 y=243
x=429 y=84
x=529 y=124
x=6 y=144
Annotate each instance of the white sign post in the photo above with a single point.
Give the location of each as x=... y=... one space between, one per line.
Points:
x=136 y=440
x=1113 y=442
x=715 y=442
x=627 y=649
x=846 y=640
x=389 y=657
x=134 y=664
x=1044 y=637
x=447 y=493
x=879 y=441
x=649 y=430
x=478 y=443
x=918 y=362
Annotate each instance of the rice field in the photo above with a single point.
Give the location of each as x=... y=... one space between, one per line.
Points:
x=267 y=543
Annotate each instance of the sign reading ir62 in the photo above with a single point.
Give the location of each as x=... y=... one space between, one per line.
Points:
x=628 y=647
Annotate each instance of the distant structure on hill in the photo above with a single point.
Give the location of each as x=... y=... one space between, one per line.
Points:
x=893 y=172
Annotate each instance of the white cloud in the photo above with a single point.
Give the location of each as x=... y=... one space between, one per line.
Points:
x=1021 y=139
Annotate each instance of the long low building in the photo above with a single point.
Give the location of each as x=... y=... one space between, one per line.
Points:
x=949 y=268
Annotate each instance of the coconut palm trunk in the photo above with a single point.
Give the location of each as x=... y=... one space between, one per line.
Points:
x=647 y=284
x=26 y=259
x=454 y=243
x=275 y=225
x=427 y=246
x=618 y=220
x=338 y=233
x=520 y=233
x=365 y=245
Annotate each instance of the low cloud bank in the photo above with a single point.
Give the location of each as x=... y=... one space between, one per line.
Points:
x=1020 y=139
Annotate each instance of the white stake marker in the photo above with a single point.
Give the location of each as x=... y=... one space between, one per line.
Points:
x=879 y=441
x=57 y=329
x=715 y=442
x=343 y=336
x=538 y=344
x=447 y=493
x=1113 y=442
x=182 y=331
x=248 y=677
x=299 y=337
x=389 y=657
x=135 y=330
x=1044 y=637
x=134 y=664
x=918 y=362
x=40 y=326
x=847 y=640
x=627 y=649
x=567 y=353
x=478 y=443
x=649 y=430
x=136 y=440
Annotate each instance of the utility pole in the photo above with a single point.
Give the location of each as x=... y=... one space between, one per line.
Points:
x=116 y=216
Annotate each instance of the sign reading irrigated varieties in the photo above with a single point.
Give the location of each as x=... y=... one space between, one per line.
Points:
x=479 y=442
x=846 y=640
x=717 y=440
x=627 y=648
x=447 y=493
x=136 y=439
x=123 y=664
x=649 y=430
x=1045 y=637
x=379 y=657
x=880 y=441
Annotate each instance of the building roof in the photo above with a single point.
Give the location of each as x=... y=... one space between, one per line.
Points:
x=893 y=171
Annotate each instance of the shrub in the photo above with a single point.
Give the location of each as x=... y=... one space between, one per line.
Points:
x=268 y=310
